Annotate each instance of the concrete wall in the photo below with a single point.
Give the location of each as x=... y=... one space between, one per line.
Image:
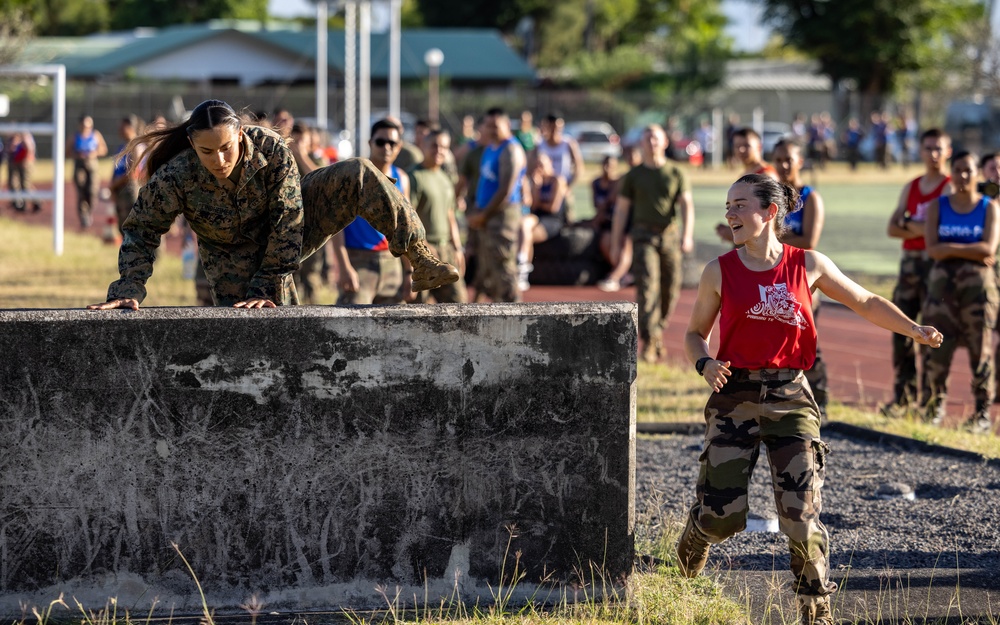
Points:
x=309 y=454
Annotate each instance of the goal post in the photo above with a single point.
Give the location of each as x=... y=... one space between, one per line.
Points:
x=57 y=130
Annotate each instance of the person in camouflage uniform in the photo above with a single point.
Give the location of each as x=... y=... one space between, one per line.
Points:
x=907 y=224
x=657 y=195
x=239 y=189
x=760 y=392
x=961 y=237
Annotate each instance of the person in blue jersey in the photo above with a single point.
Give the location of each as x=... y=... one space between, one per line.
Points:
x=961 y=234
x=496 y=216
x=803 y=227
x=86 y=146
x=368 y=272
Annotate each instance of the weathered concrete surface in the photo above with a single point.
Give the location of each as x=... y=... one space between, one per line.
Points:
x=309 y=454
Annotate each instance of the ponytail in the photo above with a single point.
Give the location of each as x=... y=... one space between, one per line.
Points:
x=769 y=191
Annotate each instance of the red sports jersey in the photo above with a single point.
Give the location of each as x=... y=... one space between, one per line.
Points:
x=766 y=320
x=916 y=207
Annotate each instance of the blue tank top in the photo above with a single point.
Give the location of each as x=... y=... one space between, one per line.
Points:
x=957 y=228
x=359 y=234
x=121 y=163
x=85 y=144
x=489 y=175
x=793 y=221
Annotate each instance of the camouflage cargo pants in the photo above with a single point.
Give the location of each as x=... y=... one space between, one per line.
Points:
x=776 y=408
x=496 y=255
x=962 y=304
x=332 y=197
x=909 y=296
x=454 y=293
x=657 y=269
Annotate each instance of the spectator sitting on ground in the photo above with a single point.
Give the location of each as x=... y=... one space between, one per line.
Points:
x=547 y=216
x=604 y=191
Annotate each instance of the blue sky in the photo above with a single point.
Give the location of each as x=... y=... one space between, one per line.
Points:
x=744 y=19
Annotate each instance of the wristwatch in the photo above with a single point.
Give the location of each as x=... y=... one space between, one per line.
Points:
x=700 y=365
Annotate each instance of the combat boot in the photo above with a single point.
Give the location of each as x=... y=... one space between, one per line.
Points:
x=815 y=610
x=692 y=551
x=429 y=272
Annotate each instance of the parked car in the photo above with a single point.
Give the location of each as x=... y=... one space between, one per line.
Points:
x=773 y=132
x=681 y=148
x=973 y=125
x=596 y=140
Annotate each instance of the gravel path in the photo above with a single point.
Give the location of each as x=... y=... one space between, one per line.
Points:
x=953 y=523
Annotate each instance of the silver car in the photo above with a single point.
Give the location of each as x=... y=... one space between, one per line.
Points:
x=596 y=140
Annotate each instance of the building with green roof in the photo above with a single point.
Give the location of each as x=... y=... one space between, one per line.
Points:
x=250 y=54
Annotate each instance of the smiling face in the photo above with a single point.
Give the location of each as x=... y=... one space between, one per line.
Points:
x=744 y=214
x=218 y=149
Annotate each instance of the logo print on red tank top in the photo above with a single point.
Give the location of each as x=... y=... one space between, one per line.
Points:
x=777 y=304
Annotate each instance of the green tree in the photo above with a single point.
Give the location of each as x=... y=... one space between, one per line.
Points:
x=136 y=13
x=51 y=18
x=875 y=43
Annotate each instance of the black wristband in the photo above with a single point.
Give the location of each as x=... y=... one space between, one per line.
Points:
x=700 y=365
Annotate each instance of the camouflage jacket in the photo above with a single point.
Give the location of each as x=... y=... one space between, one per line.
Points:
x=252 y=235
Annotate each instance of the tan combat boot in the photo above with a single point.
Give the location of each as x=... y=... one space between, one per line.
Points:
x=692 y=551
x=429 y=272
x=815 y=610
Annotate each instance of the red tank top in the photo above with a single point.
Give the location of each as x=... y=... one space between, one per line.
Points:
x=916 y=207
x=766 y=321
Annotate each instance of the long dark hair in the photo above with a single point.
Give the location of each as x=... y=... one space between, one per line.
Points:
x=160 y=146
x=768 y=190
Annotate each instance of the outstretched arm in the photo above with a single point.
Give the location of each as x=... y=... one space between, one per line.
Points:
x=826 y=276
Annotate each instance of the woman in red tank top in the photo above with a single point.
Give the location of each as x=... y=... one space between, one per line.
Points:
x=761 y=293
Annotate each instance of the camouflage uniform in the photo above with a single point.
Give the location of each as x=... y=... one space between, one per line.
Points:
x=496 y=255
x=962 y=304
x=251 y=240
x=657 y=267
x=774 y=407
x=909 y=295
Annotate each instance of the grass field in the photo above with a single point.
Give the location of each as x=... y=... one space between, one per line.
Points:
x=858 y=205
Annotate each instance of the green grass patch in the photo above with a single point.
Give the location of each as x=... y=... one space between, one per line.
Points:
x=32 y=276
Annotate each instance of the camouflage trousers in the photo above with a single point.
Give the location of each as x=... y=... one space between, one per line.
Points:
x=657 y=269
x=380 y=278
x=332 y=197
x=454 y=293
x=909 y=296
x=962 y=304
x=776 y=408
x=496 y=256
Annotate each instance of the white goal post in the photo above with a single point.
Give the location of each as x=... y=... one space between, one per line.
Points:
x=57 y=130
